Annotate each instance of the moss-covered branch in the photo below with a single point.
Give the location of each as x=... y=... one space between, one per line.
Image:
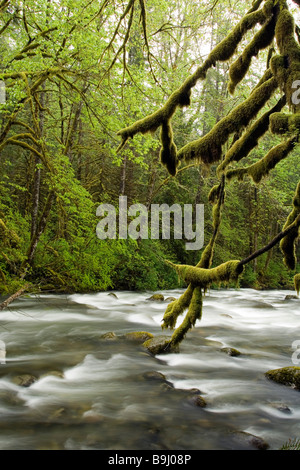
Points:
x=288 y=243
x=224 y=273
x=250 y=138
x=281 y=123
x=181 y=97
x=209 y=148
x=261 y=40
x=260 y=169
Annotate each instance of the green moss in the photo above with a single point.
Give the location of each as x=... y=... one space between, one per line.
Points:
x=214 y=193
x=194 y=313
x=176 y=308
x=289 y=376
x=201 y=277
x=297 y=283
x=281 y=123
x=262 y=39
x=288 y=71
x=159 y=345
x=168 y=153
x=138 y=336
x=260 y=169
x=209 y=148
x=288 y=243
x=249 y=140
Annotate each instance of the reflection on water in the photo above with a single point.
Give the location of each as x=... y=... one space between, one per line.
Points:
x=62 y=386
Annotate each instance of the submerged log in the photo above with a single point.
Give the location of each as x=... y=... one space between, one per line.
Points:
x=13 y=297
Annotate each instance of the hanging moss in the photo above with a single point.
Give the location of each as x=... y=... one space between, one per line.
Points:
x=214 y=193
x=249 y=140
x=297 y=283
x=194 y=313
x=260 y=169
x=224 y=273
x=181 y=97
x=209 y=148
x=289 y=69
x=262 y=39
x=281 y=123
x=176 y=308
x=168 y=153
x=288 y=243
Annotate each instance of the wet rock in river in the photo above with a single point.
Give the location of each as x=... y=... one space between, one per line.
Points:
x=159 y=345
x=138 y=336
x=109 y=336
x=231 y=351
x=170 y=299
x=291 y=297
x=281 y=407
x=246 y=440
x=24 y=380
x=156 y=298
x=289 y=376
x=197 y=400
x=53 y=373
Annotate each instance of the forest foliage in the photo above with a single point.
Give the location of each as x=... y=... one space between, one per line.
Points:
x=80 y=75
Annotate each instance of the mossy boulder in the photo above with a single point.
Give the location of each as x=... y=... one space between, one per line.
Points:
x=138 y=336
x=156 y=298
x=289 y=376
x=159 y=345
x=231 y=351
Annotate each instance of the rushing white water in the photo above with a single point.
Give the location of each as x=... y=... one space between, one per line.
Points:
x=91 y=393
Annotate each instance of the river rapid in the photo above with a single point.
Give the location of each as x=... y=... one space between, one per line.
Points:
x=87 y=392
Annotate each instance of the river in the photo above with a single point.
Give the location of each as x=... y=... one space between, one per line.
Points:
x=94 y=393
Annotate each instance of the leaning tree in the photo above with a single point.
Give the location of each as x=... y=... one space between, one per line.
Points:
x=274 y=28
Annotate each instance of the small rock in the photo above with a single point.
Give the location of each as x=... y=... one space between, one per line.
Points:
x=154 y=375
x=197 y=400
x=24 y=380
x=231 y=352
x=247 y=439
x=289 y=376
x=109 y=336
x=156 y=297
x=170 y=299
x=291 y=297
x=281 y=407
x=55 y=373
x=138 y=336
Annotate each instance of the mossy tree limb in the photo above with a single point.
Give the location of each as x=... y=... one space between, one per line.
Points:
x=181 y=97
x=260 y=169
x=209 y=148
x=288 y=243
x=297 y=283
x=192 y=298
x=250 y=138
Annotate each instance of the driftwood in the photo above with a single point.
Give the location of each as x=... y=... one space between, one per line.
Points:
x=10 y=299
